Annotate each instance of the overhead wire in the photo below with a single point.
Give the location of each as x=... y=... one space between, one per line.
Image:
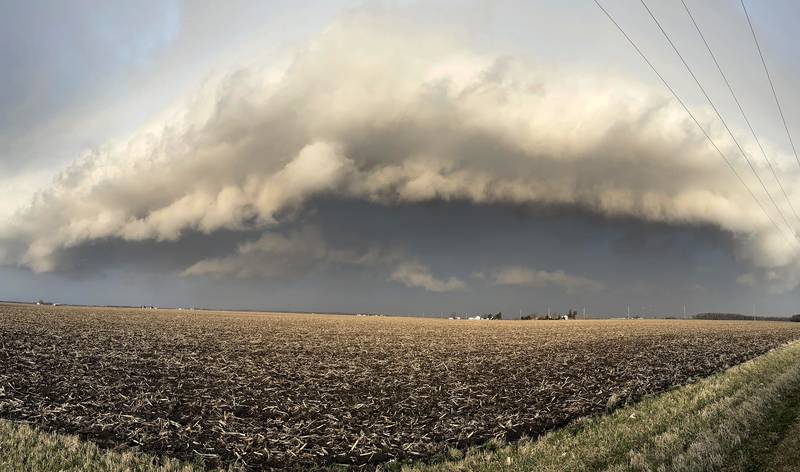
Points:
x=719 y=115
x=771 y=85
x=741 y=109
x=691 y=115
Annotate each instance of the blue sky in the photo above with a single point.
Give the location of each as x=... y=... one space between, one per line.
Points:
x=404 y=157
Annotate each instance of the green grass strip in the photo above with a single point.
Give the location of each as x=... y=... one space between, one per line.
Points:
x=23 y=448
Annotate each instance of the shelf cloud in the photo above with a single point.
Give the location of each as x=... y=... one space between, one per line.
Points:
x=371 y=110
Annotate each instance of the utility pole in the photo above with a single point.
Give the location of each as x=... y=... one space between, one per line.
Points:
x=629 y=311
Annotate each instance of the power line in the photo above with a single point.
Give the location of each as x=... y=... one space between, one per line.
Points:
x=719 y=115
x=691 y=115
x=739 y=105
x=771 y=85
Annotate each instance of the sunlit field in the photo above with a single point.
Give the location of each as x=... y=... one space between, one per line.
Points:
x=292 y=391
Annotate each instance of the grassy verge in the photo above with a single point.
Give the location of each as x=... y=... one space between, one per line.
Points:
x=25 y=448
x=738 y=420
x=786 y=456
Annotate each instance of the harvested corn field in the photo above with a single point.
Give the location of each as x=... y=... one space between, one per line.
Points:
x=293 y=391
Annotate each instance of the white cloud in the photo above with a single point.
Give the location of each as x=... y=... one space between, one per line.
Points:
x=479 y=275
x=277 y=256
x=415 y=274
x=747 y=279
x=525 y=277
x=373 y=111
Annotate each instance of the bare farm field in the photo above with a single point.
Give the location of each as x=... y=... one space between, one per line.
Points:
x=297 y=391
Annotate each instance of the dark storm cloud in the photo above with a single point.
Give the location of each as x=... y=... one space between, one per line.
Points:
x=98 y=257
x=453 y=239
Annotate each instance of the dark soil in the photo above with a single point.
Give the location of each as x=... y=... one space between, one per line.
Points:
x=299 y=391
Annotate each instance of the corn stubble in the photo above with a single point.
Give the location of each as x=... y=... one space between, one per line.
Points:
x=296 y=391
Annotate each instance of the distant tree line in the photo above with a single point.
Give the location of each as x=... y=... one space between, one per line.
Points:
x=740 y=317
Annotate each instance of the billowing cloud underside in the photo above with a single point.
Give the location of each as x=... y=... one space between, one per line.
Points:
x=370 y=112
